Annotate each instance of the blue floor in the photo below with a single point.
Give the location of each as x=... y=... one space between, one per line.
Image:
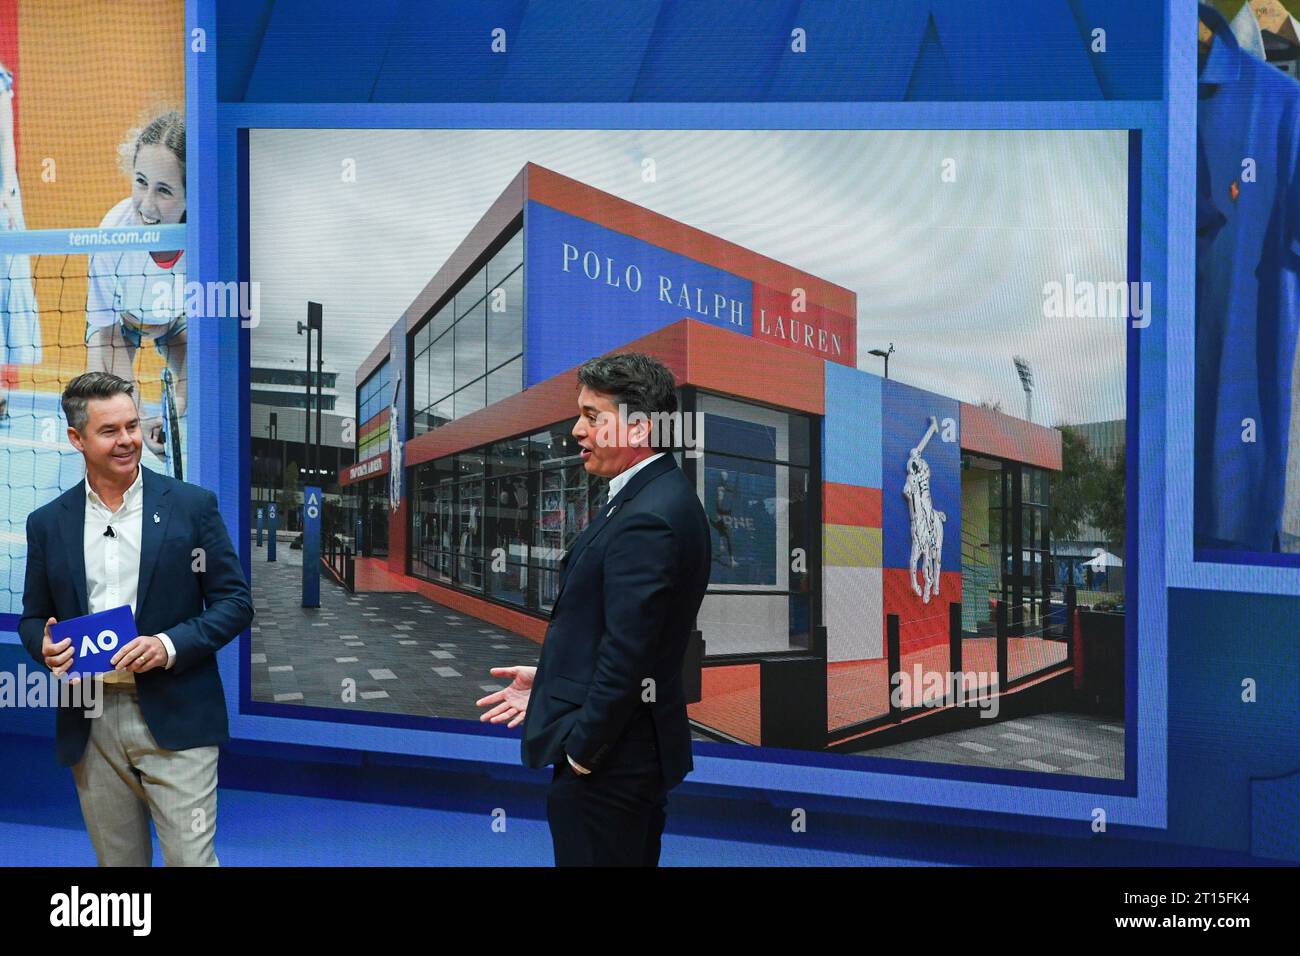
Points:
x=40 y=825
x=308 y=807
x=266 y=829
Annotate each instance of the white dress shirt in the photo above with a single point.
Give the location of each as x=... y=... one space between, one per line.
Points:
x=113 y=563
x=615 y=486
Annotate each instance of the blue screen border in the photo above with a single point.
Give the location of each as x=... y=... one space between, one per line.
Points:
x=1137 y=800
x=219 y=376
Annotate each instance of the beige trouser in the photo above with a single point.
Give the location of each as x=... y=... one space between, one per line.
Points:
x=124 y=778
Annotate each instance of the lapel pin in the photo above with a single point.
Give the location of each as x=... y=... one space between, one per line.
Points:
x=611 y=511
x=156 y=519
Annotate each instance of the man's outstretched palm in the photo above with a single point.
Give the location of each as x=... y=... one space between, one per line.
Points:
x=511 y=702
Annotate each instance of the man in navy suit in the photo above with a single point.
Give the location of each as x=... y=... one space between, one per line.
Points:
x=130 y=536
x=606 y=703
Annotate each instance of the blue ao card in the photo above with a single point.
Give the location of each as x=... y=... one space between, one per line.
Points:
x=96 y=638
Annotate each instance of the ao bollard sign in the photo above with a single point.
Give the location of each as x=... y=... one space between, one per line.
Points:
x=270 y=530
x=96 y=637
x=259 y=527
x=311 y=508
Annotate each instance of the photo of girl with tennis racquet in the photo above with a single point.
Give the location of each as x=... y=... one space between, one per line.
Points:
x=134 y=295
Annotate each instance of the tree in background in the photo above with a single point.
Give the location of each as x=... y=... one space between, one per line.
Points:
x=1068 y=495
x=1088 y=490
x=1106 y=489
x=289 y=499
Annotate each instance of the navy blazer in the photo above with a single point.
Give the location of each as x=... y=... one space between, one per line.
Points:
x=184 y=706
x=630 y=588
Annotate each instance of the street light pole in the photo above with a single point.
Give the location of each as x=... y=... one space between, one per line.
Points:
x=273 y=432
x=306 y=440
x=880 y=353
x=314 y=321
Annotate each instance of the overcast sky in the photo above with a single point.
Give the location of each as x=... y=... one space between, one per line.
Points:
x=951 y=272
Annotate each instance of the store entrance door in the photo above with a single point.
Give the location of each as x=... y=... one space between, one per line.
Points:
x=1025 y=547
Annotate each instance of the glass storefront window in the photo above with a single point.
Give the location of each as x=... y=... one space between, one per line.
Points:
x=372 y=399
x=441 y=360
x=505 y=381
x=367 y=517
x=554 y=447
x=471 y=293
x=446 y=535
x=759 y=505
x=497 y=520
x=420 y=397
x=375 y=442
x=442 y=412
x=441 y=321
x=746 y=500
x=562 y=512
x=471 y=347
x=470 y=398
x=478 y=333
x=507 y=260
x=508 y=457
x=505 y=320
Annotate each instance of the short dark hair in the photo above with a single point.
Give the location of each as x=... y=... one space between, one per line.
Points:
x=86 y=386
x=636 y=381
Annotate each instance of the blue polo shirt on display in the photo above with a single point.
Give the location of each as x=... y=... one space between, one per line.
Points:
x=1247 y=292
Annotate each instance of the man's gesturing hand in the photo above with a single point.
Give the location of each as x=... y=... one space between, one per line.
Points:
x=142 y=654
x=58 y=657
x=509 y=703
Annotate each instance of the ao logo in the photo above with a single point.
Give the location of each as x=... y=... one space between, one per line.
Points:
x=313 y=507
x=106 y=641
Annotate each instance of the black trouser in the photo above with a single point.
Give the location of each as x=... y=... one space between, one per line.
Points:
x=613 y=816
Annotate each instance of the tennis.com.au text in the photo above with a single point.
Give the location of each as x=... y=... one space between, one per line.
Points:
x=78 y=909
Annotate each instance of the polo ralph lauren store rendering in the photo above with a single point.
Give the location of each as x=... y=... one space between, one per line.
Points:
x=861 y=527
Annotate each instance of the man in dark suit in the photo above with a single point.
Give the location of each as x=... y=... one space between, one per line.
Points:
x=606 y=703
x=130 y=536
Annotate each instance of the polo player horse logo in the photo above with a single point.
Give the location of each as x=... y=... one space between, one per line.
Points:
x=394 y=453
x=927 y=523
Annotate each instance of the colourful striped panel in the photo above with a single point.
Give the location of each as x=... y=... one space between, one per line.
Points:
x=849 y=546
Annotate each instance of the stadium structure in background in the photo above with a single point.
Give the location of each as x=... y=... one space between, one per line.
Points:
x=838 y=499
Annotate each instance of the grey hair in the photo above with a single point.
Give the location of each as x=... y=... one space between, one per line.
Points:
x=86 y=386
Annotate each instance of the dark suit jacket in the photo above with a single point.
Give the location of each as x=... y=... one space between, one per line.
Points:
x=630 y=588
x=184 y=706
